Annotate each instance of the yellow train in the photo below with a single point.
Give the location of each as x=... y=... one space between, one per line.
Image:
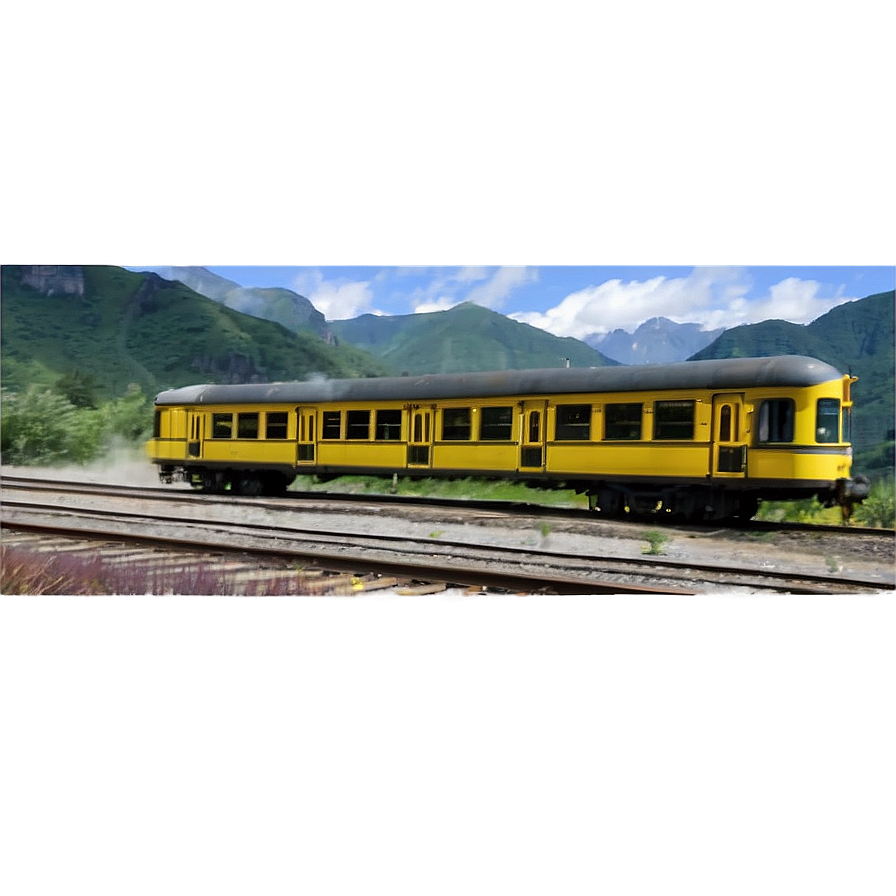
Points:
x=696 y=439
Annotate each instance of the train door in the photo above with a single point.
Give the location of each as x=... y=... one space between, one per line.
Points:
x=305 y=435
x=729 y=447
x=532 y=435
x=195 y=433
x=420 y=437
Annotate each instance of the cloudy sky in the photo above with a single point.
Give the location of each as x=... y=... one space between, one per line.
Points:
x=577 y=301
x=760 y=143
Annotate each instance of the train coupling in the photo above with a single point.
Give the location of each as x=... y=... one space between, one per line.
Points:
x=847 y=493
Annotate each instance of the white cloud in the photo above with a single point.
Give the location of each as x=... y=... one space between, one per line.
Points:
x=491 y=290
x=504 y=281
x=712 y=297
x=440 y=304
x=335 y=299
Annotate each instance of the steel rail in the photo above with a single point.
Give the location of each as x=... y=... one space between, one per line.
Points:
x=490 y=505
x=453 y=573
x=585 y=564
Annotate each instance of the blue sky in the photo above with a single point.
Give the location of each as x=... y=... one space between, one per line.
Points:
x=577 y=301
x=577 y=164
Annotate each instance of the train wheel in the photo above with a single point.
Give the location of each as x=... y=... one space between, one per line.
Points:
x=249 y=485
x=213 y=483
x=275 y=484
x=747 y=509
x=608 y=502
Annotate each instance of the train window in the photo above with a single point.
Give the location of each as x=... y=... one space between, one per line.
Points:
x=535 y=429
x=222 y=426
x=673 y=420
x=827 y=420
x=573 y=422
x=846 y=431
x=456 y=424
x=496 y=424
x=388 y=426
x=275 y=425
x=776 y=420
x=357 y=424
x=331 y=427
x=725 y=423
x=157 y=424
x=623 y=421
x=247 y=426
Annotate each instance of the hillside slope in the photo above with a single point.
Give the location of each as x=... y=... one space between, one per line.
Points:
x=464 y=338
x=281 y=306
x=139 y=328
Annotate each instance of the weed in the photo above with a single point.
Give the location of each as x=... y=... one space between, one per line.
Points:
x=761 y=536
x=545 y=529
x=436 y=533
x=878 y=510
x=28 y=572
x=655 y=541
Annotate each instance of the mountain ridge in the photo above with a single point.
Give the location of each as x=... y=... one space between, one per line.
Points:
x=657 y=340
x=464 y=338
x=119 y=327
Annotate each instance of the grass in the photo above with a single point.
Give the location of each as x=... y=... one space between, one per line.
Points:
x=459 y=489
x=877 y=511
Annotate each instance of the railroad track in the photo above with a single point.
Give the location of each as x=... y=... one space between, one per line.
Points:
x=462 y=562
x=462 y=505
x=414 y=567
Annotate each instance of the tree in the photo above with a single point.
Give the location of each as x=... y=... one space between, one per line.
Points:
x=78 y=387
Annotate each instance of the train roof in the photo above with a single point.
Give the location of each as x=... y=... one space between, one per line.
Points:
x=720 y=375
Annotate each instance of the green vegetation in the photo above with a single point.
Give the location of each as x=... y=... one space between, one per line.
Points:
x=807 y=510
x=138 y=328
x=465 y=338
x=470 y=489
x=878 y=510
x=655 y=542
x=41 y=427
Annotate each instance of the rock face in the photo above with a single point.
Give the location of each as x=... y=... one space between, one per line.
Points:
x=51 y=279
x=232 y=368
x=144 y=300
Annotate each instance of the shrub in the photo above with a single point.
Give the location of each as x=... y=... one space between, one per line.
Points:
x=129 y=417
x=43 y=428
x=879 y=508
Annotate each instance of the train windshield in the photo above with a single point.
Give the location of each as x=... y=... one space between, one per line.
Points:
x=827 y=420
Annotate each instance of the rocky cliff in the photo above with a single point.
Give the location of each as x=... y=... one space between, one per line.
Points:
x=53 y=279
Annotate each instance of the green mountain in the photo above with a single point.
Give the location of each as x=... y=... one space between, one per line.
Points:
x=856 y=337
x=465 y=338
x=115 y=327
x=282 y=306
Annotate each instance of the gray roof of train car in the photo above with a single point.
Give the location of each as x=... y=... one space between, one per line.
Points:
x=727 y=374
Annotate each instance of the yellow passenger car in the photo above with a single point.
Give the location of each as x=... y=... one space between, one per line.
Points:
x=698 y=439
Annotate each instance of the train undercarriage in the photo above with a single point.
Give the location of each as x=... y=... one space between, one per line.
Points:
x=691 y=502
